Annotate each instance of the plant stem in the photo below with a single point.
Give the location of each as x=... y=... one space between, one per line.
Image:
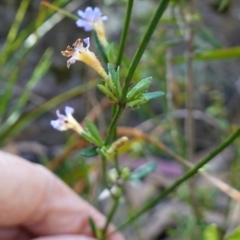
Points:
x=143 y=44
x=147 y=36
x=124 y=32
x=113 y=124
x=170 y=105
x=189 y=123
x=184 y=178
x=110 y=216
x=104 y=172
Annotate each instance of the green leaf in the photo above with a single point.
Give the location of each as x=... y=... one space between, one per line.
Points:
x=223 y=4
x=216 y=55
x=95 y=230
x=211 y=233
x=235 y=235
x=153 y=95
x=208 y=36
x=100 y=48
x=13 y=32
x=143 y=170
x=88 y=136
x=139 y=88
x=107 y=92
x=114 y=74
x=5 y=98
x=136 y=103
x=91 y=127
x=89 y=152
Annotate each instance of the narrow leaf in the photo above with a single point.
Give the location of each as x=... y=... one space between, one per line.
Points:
x=114 y=74
x=216 y=55
x=136 y=103
x=95 y=230
x=211 y=233
x=89 y=152
x=235 y=235
x=153 y=95
x=139 y=88
x=143 y=170
x=107 y=92
x=94 y=131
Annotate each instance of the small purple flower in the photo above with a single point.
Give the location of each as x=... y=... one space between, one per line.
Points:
x=67 y=121
x=90 y=17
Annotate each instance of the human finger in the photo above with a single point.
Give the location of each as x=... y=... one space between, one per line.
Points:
x=33 y=198
x=65 y=237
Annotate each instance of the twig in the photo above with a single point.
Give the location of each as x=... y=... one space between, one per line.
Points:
x=126 y=131
x=184 y=178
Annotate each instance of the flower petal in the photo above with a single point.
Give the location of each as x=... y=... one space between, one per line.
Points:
x=81 y=22
x=96 y=14
x=56 y=124
x=71 y=61
x=104 y=18
x=59 y=115
x=87 y=41
x=81 y=14
x=69 y=111
x=89 y=14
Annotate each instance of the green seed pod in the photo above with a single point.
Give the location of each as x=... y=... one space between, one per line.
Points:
x=107 y=92
x=139 y=88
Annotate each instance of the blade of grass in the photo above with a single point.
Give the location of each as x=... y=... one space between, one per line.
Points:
x=37 y=75
x=30 y=35
x=60 y=10
x=16 y=24
x=212 y=55
x=28 y=117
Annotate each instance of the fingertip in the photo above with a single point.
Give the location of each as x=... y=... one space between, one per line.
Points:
x=65 y=237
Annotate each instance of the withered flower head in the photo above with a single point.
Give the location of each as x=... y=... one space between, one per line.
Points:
x=80 y=53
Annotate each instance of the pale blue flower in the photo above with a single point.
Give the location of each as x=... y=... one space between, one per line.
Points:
x=90 y=18
x=67 y=121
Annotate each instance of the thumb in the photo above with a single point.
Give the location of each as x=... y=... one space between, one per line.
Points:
x=65 y=237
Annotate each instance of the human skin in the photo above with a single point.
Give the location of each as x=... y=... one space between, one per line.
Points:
x=35 y=204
